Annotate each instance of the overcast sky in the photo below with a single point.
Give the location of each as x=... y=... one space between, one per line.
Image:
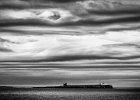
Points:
x=49 y=42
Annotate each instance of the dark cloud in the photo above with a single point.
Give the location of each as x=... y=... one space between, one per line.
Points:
x=122 y=29
x=22 y=22
x=115 y=12
x=108 y=65
x=95 y=22
x=5 y=41
x=57 y=1
x=88 y=57
x=63 y=1
x=76 y=57
x=5 y=50
x=123 y=45
x=88 y=22
x=24 y=6
x=8 y=6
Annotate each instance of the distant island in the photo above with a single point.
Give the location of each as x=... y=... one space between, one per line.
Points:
x=65 y=85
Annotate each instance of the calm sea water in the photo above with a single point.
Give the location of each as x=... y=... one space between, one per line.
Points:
x=69 y=94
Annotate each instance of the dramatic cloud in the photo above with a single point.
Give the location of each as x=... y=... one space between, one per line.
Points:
x=55 y=41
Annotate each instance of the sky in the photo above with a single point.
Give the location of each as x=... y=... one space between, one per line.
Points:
x=50 y=42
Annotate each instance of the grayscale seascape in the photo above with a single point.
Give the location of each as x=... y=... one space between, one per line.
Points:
x=69 y=49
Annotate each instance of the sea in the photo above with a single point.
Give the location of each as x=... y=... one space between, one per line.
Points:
x=69 y=94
